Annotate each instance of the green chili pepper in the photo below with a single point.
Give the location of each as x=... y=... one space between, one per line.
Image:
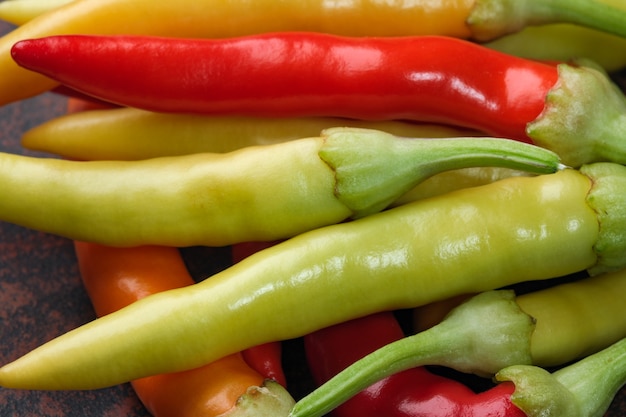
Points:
x=467 y=241
x=583 y=389
x=491 y=331
x=257 y=193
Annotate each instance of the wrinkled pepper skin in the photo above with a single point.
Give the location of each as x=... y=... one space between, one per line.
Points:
x=415 y=392
x=426 y=79
x=482 y=238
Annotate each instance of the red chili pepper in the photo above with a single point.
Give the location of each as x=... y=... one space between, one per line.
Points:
x=266 y=358
x=416 y=392
x=437 y=79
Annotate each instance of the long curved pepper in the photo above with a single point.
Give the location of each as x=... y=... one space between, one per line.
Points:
x=469 y=241
x=259 y=193
x=490 y=331
x=479 y=19
x=576 y=111
x=117 y=277
x=131 y=134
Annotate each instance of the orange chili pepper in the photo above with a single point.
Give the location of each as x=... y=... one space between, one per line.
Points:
x=116 y=277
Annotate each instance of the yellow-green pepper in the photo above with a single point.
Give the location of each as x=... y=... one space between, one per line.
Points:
x=466 y=241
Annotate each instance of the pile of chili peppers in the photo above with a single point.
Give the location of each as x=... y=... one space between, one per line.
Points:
x=415 y=212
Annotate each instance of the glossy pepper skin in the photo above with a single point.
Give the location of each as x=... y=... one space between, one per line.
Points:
x=416 y=392
x=266 y=358
x=303 y=74
x=115 y=278
x=425 y=79
x=211 y=19
x=220 y=199
x=487 y=237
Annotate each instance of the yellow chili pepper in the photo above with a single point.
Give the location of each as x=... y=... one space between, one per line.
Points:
x=467 y=241
x=131 y=134
x=19 y=12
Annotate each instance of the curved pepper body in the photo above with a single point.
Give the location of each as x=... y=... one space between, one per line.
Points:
x=427 y=79
x=117 y=277
x=462 y=242
x=131 y=134
x=222 y=19
x=172 y=201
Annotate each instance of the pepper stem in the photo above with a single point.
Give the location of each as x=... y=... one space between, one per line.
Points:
x=374 y=168
x=480 y=336
x=608 y=200
x=490 y=19
x=270 y=399
x=584 y=119
x=583 y=389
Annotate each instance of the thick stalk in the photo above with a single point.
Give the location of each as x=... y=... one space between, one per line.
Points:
x=373 y=169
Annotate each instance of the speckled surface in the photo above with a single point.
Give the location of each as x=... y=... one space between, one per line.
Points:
x=41 y=297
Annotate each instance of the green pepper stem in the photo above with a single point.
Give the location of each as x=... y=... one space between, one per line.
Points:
x=583 y=389
x=607 y=198
x=491 y=19
x=374 y=168
x=481 y=336
x=584 y=119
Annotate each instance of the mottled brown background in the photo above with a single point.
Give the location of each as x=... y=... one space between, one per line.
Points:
x=41 y=296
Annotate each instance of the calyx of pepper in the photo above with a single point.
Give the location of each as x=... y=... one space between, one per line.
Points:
x=583 y=389
x=373 y=168
x=608 y=199
x=490 y=19
x=269 y=400
x=584 y=119
x=483 y=335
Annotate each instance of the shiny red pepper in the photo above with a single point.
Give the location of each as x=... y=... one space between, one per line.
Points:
x=416 y=392
x=437 y=79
